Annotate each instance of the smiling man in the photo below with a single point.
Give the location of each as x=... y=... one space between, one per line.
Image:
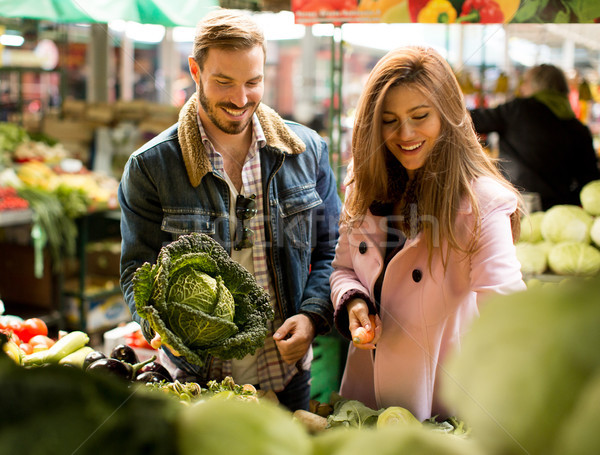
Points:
x=261 y=186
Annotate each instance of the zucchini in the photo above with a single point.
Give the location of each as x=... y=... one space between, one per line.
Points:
x=69 y=343
x=75 y=359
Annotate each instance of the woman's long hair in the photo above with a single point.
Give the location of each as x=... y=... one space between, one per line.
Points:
x=455 y=161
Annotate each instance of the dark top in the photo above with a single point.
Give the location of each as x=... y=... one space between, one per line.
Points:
x=540 y=152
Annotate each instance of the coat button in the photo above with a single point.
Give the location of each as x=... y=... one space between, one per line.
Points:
x=417 y=275
x=362 y=248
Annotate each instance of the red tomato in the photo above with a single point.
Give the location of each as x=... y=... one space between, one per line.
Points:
x=26 y=348
x=32 y=327
x=41 y=340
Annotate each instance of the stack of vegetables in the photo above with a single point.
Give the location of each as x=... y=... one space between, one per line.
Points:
x=564 y=240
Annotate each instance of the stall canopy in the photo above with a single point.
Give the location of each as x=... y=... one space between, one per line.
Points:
x=169 y=13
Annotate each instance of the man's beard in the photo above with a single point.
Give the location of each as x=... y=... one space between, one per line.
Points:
x=229 y=127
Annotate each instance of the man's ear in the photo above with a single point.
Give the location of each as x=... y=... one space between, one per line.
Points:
x=194 y=69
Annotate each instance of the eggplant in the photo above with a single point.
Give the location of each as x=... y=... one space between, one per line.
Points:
x=150 y=376
x=124 y=353
x=111 y=367
x=91 y=358
x=156 y=367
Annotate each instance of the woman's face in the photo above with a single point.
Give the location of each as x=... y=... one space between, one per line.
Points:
x=410 y=126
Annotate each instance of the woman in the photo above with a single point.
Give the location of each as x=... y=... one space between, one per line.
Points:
x=427 y=232
x=543 y=148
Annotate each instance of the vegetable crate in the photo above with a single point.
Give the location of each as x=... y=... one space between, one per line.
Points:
x=329 y=358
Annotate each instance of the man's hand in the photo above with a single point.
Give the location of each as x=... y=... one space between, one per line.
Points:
x=294 y=337
x=156 y=343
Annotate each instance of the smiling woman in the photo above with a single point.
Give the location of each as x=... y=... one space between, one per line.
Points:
x=426 y=235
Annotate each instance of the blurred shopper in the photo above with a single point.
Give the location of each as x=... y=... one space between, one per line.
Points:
x=544 y=149
x=426 y=233
x=261 y=186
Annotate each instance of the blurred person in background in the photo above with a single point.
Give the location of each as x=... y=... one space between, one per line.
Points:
x=543 y=148
x=427 y=233
x=229 y=147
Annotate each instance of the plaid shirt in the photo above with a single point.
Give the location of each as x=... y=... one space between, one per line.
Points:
x=273 y=372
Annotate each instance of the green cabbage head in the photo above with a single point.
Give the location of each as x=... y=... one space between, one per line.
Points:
x=574 y=258
x=590 y=197
x=566 y=223
x=202 y=302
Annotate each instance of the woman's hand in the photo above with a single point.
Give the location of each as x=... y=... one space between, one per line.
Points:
x=364 y=328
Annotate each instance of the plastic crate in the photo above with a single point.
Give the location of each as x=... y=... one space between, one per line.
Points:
x=329 y=359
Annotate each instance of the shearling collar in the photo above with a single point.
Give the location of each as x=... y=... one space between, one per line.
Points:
x=197 y=164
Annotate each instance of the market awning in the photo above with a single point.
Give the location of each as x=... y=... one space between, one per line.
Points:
x=169 y=13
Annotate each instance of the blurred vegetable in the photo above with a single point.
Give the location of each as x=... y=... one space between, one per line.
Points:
x=521 y=375
x=437 y=12
x=396 y=416
x=566 y=223
x=76 y=358
x=352 y=413
x=595 y=231
x=533 y=257
x=574 y=258
x=531 y=227
x=409 y=440
x=225 y=427
x=481 y=11
x=590 y=197
x=69 y=343
x=57 y=410
x=202 y=302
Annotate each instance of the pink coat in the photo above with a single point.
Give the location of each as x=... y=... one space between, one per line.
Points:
x=423 y=314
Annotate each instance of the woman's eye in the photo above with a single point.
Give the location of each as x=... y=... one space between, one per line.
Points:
x=420 y=117
x=388 y=121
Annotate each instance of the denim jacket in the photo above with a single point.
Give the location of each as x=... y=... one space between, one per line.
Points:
x=169 y=189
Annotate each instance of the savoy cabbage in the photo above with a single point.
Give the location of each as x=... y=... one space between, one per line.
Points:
x=202 y=302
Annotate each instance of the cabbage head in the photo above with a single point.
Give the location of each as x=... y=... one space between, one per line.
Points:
x=202 y=302
x=533 y=257
x=566 y=223
x=574 y=258
x=527 y=371
x=595 y=231
x=531 y=227
x=590 y=197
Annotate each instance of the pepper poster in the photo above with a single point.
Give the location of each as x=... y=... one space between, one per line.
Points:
x=338 y=12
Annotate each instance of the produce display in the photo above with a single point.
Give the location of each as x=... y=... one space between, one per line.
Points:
x=122 y=396
x=563 y=241
x=202 y=302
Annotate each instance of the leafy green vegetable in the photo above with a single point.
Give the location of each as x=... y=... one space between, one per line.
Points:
x=225 y=427
x=566 y=223
x=395 y=416
x=352 y=413
x=590 y=197
x=202 y=302
x=521 y=377
x=574 y=258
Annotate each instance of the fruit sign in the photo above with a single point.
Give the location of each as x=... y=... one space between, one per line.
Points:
x=446 y=11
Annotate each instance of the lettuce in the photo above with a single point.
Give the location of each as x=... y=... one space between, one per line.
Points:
x=202 y=302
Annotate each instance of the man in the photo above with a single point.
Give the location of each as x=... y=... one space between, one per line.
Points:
x=230 y=150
